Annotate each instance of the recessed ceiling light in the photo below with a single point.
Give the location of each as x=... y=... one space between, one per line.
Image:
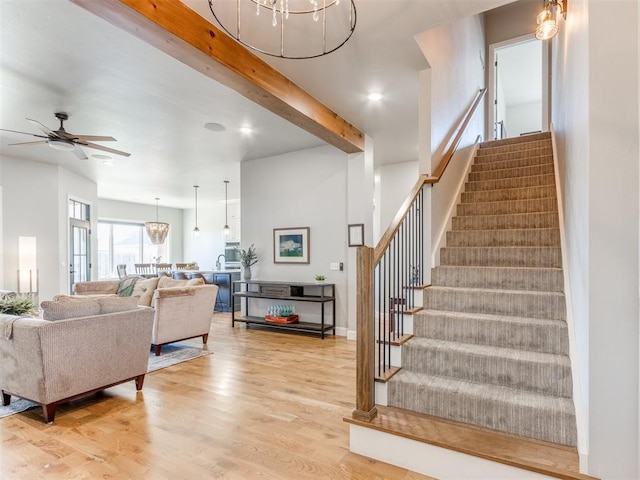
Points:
x=99 y=156
x=215 y=127
x=245 y=129
x=374 y=96
x=108 y=163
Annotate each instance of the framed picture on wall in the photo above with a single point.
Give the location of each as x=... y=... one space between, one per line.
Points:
x=291 y=245
x=356 y=234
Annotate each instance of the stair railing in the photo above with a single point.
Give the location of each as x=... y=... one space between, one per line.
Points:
x=388 y=277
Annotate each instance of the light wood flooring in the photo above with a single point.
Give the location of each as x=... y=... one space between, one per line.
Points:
x=265 y=405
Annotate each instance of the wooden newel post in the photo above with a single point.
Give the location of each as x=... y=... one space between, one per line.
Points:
x=365 y=353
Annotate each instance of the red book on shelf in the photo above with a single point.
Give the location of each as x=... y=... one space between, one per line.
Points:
x=274 y=319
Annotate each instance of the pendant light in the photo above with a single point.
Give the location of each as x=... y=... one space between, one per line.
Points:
x=196 y=230
x=157 y=231
x=226 y=228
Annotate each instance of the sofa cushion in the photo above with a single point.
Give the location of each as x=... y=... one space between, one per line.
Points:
x=61 y=310
x=125 y=288
x=166 y=282
x=143 y=289
x=117 y=304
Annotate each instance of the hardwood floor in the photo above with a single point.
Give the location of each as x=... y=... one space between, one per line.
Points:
x=265 y=405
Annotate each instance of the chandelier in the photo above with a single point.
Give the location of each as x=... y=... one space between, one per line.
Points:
x=294 y=29
x=157 y=231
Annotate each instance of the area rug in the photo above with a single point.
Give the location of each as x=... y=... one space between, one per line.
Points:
x=171 y=355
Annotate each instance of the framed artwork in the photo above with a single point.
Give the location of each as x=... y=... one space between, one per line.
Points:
x=356 y=234
x=291 y=245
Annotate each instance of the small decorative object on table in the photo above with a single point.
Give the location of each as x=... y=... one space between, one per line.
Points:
x=281 y=314
x=248 y=257
x=320 y=278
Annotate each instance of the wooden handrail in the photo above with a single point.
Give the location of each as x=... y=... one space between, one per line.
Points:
x=385 y=241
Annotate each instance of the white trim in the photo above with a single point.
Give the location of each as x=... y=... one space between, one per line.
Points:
x=446 y=226
x=546 y=118
x=352 y=334
x=430 y=460
x=341 y=331
x=583 y=447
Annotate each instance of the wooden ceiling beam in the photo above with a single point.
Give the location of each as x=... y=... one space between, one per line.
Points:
x=182 y=33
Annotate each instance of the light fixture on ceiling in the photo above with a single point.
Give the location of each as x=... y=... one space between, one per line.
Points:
x=374 y=96
x=61 y=144
x=547 y=24
x=196 y=230
x=226 y=228
x=215 y=127
x=301 y=28
x=157 y=230
x=245 y=129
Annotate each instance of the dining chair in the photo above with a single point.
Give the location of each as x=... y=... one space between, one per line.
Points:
x=163 y=268
x=181 y=266
x=122 y=270
x=144 y=268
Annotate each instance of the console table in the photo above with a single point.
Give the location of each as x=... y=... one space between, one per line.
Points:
x=319 y=293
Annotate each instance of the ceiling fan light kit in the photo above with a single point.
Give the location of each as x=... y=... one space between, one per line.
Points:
x=62 y=140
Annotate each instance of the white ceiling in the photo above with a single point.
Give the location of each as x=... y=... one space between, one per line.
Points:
x=55 y=56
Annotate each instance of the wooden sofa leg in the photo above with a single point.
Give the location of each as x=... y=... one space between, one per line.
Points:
x=6 y=398
x=205 y=337
x=139 y=382
x=49 y=411
x=157 y=348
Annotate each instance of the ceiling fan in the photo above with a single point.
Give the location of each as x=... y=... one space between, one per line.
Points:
x=62 y=140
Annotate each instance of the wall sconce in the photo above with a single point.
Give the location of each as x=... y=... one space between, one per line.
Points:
x=547 y=24
x=27 y=265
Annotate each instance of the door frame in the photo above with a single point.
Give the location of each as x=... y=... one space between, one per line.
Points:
x=546 y=97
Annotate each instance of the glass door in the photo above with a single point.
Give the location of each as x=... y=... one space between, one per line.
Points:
x=79 y=243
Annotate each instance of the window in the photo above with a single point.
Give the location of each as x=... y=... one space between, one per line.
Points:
x=127 y=244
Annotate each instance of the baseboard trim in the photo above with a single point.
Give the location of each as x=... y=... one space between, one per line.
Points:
x=341 y=331
x=351 y=335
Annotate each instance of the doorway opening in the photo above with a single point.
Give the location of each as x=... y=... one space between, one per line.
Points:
x=518 y=88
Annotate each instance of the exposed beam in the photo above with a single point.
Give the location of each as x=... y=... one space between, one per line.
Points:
x=182 y=33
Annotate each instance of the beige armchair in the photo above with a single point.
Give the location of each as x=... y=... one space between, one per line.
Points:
x=52 y=362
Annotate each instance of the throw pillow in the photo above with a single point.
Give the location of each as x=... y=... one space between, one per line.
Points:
x=144 y=290
x=125 y=289
x=61 y=310
x=117 y=304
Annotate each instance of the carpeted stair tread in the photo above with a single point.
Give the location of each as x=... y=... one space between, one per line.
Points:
x=513 y=163
x=484 y=157
x=506 y=221
x=491 y=277
x=526 y=237
x=532 y=137
x=544 y=169
x=515 y=193
x=544 y=180
x=545 y=373
x=502 y=256
x=548 y=418
x=515 y=303
x=531 y=145
x=532 y=205
x=531 y=334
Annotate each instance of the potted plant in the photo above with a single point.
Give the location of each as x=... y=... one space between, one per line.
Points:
x=11 y=304
x=320 y=278
x=248 y=257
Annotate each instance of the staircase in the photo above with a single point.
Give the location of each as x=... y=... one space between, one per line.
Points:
x=490 y=347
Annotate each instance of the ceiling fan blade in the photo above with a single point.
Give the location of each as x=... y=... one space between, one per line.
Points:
x=23 y=133
x=26 y=143
x=42 y=127
x=92 y=138
x=78 y=152
x=106 y=149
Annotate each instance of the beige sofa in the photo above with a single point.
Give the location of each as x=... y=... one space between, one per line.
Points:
x=89 y=346
x=183 y=308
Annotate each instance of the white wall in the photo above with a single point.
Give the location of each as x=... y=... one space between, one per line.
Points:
x=394 y=184
x=454 y=52
x=139 y=213
x=34 y=204
x=301 y=189
x=595 y=114
x=523 y=118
